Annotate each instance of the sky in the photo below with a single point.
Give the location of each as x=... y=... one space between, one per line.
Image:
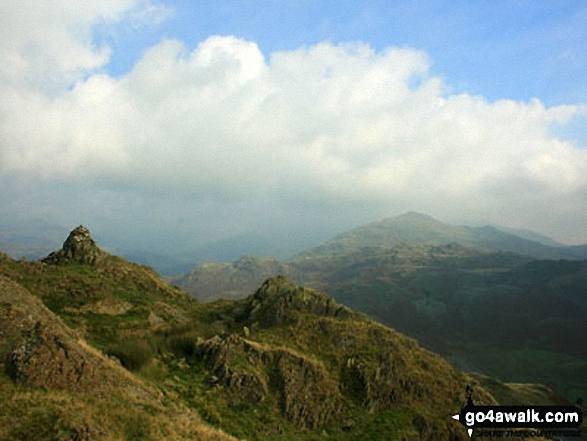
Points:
x=172 y=124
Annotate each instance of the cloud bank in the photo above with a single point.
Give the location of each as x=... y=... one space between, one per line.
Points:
x=338 y=132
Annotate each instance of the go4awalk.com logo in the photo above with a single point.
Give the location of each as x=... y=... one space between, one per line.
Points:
x=542 y=420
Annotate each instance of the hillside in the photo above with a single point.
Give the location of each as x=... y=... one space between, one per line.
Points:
x=498 y=313
x=54 y=385
x=530 y=235
x=419 y=229
x=88 y=331
x=236 y=280
x=521 y=315
x=211 y=281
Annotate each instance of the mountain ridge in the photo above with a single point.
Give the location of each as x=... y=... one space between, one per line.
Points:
x=213 y=280
x=422 y=229
x=36 y=241
x=281 y=364
x=431 y=292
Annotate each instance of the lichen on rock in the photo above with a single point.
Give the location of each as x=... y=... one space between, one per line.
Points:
x=278 y=300
x=79 y=247
x=308 y=397
x=45 y=352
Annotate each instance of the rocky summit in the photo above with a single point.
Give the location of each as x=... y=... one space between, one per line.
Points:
x=79 y=247
x=278 y=301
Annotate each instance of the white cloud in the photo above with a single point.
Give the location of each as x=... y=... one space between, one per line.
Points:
x=325 y=125
x=148 y=14
x=49 y=44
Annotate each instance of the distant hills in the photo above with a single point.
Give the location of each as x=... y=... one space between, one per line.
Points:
x=464 y=292
x=530 y=235
x=210 y=280
x=419 y=229
x=29 y=240
x=467 y=304
x=234 y=280
x=33 y=240
x=489 y=300
x=95 y=347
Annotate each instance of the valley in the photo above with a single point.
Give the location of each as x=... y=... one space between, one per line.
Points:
x=502 y=313
x=286 y=362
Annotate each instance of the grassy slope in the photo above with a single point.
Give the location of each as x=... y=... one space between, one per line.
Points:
x=151 y=327
x=65 y=389
x=160 y=352
x=498 y=313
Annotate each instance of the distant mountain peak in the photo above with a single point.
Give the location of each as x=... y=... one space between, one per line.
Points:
x=416 y=218
x=415 y=215
x=79 y=247
x=414 y=228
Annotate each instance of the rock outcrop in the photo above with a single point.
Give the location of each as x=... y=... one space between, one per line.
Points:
x=46 y=353
x=278 y=300
x=237 y=280
x=336 y=362
x=79 y=247
x=308 y=396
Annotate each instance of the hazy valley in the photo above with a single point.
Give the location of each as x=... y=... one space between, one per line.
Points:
x=83 y=329
x=490 y=301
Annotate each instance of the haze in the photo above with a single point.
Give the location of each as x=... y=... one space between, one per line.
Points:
x=175 y=124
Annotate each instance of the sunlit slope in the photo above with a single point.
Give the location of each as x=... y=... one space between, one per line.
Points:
x=500 y=313
x=284 y=363
x=53 y=385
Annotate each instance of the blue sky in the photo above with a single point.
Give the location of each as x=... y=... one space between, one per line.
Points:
x=499 y=49
x=212 y=119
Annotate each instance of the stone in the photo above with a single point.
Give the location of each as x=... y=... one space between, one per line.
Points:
x=79 y=247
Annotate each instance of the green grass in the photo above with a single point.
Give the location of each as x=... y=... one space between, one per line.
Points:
x=471 y=301
x=562 y=372
x=309 y=346
x=133 y=353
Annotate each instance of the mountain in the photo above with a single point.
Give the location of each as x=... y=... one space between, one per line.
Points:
x=236 y=280
x=172 y=263
x=530 y=235
x=419 y=229
x=209 y=281
x=413 y=273
x=498 y=313
x=96 y=347
x=579 y=251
